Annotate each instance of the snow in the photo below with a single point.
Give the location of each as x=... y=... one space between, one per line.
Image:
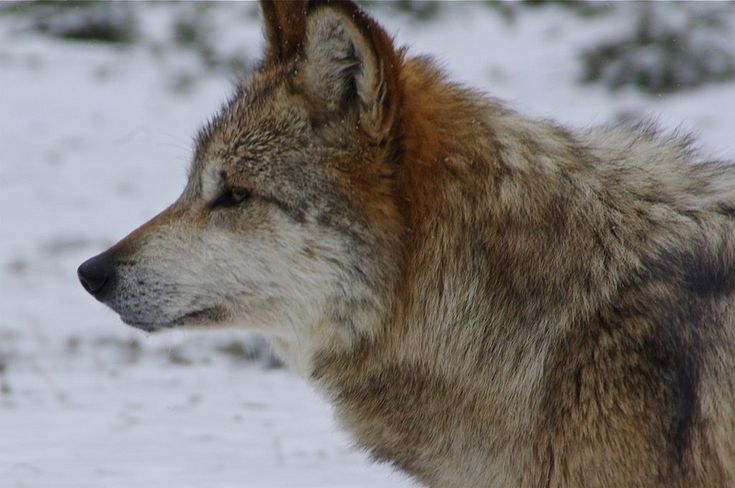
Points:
x=94 y=141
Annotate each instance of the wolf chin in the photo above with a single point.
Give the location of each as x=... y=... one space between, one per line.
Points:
x=489 y=300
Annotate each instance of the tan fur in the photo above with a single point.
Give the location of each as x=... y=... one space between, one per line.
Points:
x=489 y=300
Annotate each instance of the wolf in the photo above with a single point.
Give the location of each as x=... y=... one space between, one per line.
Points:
x=488 y=299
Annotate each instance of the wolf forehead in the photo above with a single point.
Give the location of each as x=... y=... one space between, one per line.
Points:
x=265 y=139
x=256 y=141
x=262 y=125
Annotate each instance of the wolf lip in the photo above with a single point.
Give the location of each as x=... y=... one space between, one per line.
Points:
x=195 y=316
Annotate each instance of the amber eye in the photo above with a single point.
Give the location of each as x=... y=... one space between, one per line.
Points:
x=231 y=197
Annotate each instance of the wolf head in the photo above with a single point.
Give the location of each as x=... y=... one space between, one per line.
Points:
x=288 y=222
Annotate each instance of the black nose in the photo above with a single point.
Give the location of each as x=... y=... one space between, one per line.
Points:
x=95 y=273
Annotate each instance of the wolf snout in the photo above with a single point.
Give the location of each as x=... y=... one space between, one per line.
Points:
x=95 y=274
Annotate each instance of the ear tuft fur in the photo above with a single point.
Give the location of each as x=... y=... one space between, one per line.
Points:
x=346 y=60
x=351 y=62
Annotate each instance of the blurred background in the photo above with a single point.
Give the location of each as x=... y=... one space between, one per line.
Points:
x=98 y=106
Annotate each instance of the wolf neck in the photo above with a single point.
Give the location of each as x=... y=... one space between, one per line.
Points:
x=430 y=365
x=464 y=345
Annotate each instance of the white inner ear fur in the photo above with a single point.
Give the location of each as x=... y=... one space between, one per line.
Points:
x=338 y=55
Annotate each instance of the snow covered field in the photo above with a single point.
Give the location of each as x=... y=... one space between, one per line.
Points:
x=95 y=139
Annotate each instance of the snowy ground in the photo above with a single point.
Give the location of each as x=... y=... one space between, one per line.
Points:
x=93 y=141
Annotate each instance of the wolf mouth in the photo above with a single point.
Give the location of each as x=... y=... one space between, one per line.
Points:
x=195 y=317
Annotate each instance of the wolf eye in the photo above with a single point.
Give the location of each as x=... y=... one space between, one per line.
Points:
x=231 y=197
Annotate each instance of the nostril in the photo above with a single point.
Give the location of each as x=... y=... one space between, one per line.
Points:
x=94 y=273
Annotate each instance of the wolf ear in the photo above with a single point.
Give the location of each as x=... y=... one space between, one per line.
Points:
x=285 y=29
x=350 y=62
